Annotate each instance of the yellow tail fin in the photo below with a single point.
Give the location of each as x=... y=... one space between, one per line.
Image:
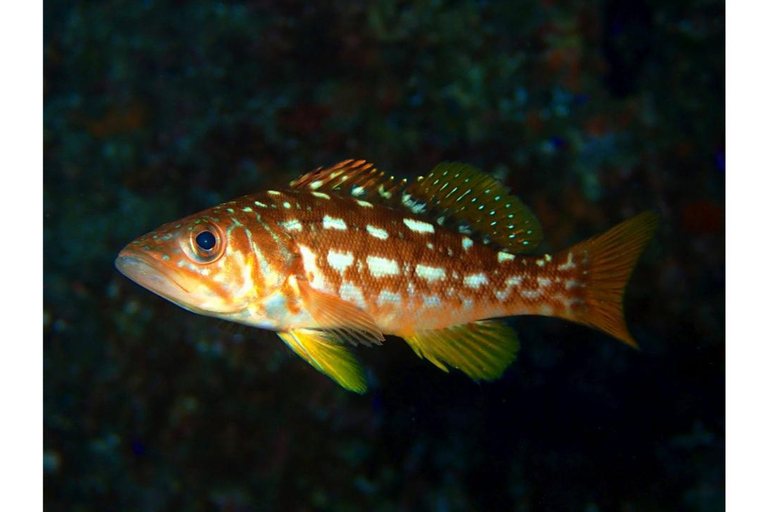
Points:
x=610 y=259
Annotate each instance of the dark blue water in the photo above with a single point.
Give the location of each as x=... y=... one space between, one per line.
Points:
x=590 y=113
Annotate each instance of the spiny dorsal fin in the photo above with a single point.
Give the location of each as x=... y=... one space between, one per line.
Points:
x=465 y=195
x=327 y=356
x=482 y=350
x=356 y=178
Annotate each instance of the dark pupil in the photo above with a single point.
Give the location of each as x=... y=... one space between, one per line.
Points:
x=205 y=240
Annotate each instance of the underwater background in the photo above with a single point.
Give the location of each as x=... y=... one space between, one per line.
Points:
x=591 y=112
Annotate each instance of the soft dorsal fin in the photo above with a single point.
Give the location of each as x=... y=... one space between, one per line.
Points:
x=465 y=195
x=356 y=178
x=328 y=356
x=482 y=350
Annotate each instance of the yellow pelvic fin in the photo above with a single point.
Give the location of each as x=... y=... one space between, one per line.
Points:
x=482 y=350
x=466 y=196
x=327 y=355
x=349 y=322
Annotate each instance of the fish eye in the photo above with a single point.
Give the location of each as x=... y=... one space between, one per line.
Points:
x=206 y=243
x=205 y=240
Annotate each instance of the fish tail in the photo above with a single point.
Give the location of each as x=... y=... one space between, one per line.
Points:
x=606 y=263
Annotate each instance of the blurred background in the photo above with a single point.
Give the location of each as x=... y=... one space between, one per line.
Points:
x=590 y=111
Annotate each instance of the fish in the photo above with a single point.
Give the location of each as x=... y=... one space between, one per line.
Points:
x=347 y=254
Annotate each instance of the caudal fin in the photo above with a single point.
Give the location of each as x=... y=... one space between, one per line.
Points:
x=609 y=260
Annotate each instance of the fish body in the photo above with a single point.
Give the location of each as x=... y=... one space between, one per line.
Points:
x=349 y=254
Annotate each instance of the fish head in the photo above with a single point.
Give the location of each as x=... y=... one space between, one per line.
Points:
x=208 y=263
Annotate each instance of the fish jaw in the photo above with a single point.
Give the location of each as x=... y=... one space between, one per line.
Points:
x=184 y=289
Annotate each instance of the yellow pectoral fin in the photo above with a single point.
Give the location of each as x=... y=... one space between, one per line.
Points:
x=482 y=350
x=328 y=356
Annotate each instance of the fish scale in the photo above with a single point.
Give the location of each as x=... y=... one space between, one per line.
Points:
x=349 y=254
x=432 y=250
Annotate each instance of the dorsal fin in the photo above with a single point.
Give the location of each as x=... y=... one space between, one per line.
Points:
x=463 y=194
x=453 y=194
x=356 y=178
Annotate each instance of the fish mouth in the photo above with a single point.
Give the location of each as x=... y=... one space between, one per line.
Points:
x=151 y=274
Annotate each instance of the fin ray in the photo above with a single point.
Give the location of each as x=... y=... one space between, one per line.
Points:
x=453 y=194
x=327 y=356
x=482 y=350
x=356 y=178
x=351 y=323
x=468 y=196
x=610 y=259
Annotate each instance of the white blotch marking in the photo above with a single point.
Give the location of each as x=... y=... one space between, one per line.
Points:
x=569 y=264
x=377 y=232
x=259 y=204
x=514 y=281
x=568 y=302
x=430 y=273
x=419 y=226
x=505 y=256
x=548 y=257
x=541 y=262
x=339 y=261
x=357 y=190
x=475 y=280
x=273 y=192
x=310 y=266
x=321 y=195
x=466 y=243
x=388 y=297
x=316 y=184
x=334 y=223
x=571 y=283
x=531 y=294
x=292 y=225
x=351 y=293
x=379 y=266
x=247 y=209
x=364 y=204
x=432 y=300
x=543 y=282
x=430 y=245
x=287 y=205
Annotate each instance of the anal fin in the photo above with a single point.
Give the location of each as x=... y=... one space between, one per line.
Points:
x=328 y=356
x=482 y=350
